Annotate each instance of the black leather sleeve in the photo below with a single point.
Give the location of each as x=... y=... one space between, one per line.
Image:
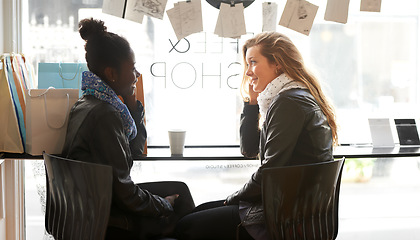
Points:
x=249 y=131
x=283 y=125
x=109 y=143
x=137 y=144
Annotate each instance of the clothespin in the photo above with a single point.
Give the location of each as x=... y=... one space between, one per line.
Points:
x=188 y=1
x=232 y=3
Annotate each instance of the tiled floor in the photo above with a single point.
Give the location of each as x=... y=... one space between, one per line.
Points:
x=387 y=206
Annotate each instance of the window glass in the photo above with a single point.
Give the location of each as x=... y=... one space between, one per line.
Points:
x=378 y=197
x=368 y=67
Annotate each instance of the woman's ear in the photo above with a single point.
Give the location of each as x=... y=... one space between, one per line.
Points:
x=279 y=69
x=110 y=74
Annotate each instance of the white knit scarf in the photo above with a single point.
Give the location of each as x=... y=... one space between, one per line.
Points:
x=278 y=85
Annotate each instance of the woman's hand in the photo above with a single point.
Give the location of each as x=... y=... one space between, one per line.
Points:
x=171 y=199
x=131 y=100
x=252 y=95
x=231 y=199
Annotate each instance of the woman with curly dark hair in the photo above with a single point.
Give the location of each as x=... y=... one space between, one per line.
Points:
x=103 y=129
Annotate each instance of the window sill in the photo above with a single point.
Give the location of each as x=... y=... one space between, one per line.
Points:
x=195 y=153
x=231 y=152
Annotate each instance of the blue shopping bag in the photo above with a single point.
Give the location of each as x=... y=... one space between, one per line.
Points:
x=61 y=75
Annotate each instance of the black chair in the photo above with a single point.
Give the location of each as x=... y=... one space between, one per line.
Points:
x=301 y=202
x=78 y=198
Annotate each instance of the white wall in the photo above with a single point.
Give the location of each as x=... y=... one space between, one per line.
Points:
x=2 y=220
x=11 y=171
x=2 y=206
x=10 y=26
x=12 y=200
x=1 y=27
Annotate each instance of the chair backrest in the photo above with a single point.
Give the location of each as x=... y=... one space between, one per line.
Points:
x=78 y=198
x=301 y=202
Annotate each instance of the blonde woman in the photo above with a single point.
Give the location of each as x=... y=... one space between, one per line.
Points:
x=286 y=120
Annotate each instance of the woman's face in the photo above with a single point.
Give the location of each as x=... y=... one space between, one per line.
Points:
x=259 y=69
x=125 y=82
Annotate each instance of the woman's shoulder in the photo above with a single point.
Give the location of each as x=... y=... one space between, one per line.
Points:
x=93 y=104
x=296 y=95
x=295 y=100
x=91 y=107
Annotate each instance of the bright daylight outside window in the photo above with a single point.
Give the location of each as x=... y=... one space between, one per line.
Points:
x=368 y=66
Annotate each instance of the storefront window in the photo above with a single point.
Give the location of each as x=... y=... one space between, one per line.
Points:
x=368 y=67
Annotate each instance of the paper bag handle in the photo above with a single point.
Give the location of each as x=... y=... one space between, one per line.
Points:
x=78 y=71
x=60 y=72
x=46 y=108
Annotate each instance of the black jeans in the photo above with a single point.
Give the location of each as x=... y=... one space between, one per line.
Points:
x=154 y=228
x=212 y=221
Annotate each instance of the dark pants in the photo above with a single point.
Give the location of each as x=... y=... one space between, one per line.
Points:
x=155 y=228
x=184 y=204
x=212 y=221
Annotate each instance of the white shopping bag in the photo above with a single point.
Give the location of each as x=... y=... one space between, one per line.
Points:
x=47 y=112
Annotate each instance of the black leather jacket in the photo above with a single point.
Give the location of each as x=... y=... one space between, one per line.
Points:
x=95 y=134
x=295 y=132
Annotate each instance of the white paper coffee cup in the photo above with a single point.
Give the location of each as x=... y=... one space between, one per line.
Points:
x=177 y=141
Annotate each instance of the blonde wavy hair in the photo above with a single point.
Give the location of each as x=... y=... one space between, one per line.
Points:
x=279 y=49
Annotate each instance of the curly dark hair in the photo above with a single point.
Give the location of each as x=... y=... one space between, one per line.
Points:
x=103 y=48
